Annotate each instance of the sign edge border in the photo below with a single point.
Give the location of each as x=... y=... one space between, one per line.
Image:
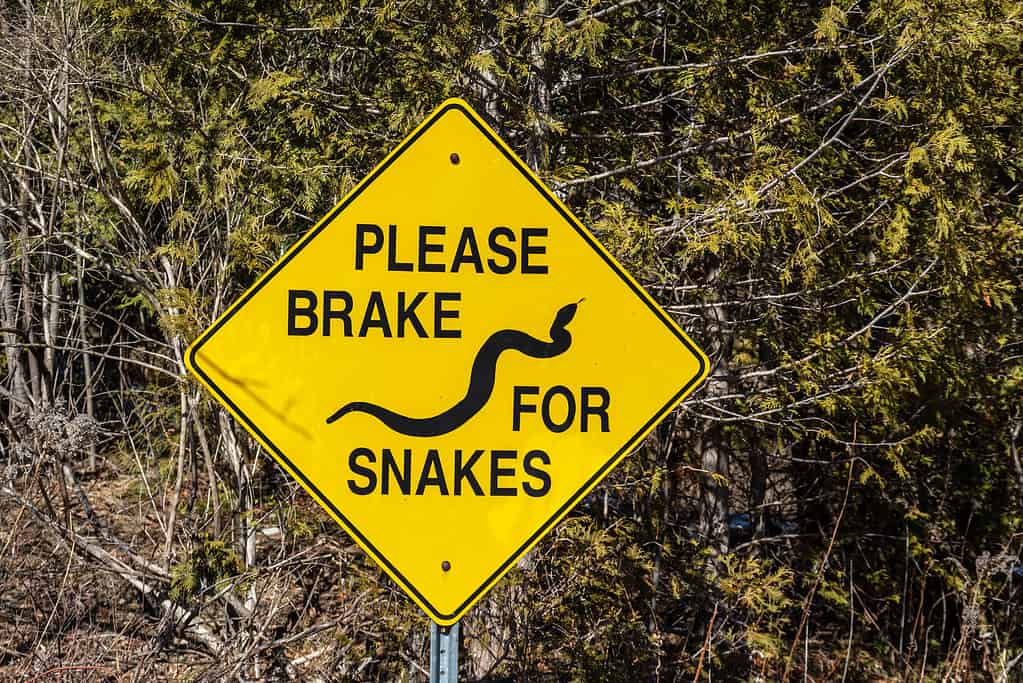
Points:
x=591 y=482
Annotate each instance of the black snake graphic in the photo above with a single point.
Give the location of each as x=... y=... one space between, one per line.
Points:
x=481 y=381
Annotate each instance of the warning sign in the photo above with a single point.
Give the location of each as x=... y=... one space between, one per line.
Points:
x=448 y=361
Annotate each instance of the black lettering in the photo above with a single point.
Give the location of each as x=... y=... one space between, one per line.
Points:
x=529 y=250
x=362 y=246
x=429 y=247
x=536 y=473
x=393 y=264
x=467 y=252
x=435 y=479
x=440 y=314
x=518 y=407
x=329 y=297
x=355 y=467
x=464 y=471
x=307 y=311
x=376 y=316
x=407 y=314
x=505 y=251
x=496 y=472
x=545 y=408
x=586 y=409
x=402 y=477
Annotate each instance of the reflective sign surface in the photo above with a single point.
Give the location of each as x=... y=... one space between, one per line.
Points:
x=448 y=361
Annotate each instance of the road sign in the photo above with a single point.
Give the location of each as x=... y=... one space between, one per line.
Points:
x=448 y=361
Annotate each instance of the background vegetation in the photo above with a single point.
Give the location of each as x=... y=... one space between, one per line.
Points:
x=826 y=195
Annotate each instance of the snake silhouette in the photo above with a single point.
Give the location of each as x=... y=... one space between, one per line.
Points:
x=481 y=380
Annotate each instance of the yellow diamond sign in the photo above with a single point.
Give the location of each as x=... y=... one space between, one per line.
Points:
x=448 y=361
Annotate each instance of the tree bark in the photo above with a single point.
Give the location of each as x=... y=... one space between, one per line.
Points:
x=714 y=454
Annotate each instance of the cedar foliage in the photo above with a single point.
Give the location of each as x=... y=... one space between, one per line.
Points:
x=826 y=196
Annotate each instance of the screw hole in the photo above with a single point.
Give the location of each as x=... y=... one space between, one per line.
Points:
x=454 y=158
x=445 y=565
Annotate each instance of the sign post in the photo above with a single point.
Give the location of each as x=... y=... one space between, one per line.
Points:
x=448 y=362
x=444 y=642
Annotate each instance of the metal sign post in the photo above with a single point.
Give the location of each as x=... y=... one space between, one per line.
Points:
x=444 y=653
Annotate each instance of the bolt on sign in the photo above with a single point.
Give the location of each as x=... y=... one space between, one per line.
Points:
x=448 y=362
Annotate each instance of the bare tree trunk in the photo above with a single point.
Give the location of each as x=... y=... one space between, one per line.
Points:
x=1014 y=431
x=714 y=486
x=539 y=101
x=211 y=471
x=172 y=506
x=484 y=91
x=758 y=476
x=25 y=211
x=237 y=452
x=661 y=442
x=11 y=332
x=83 y=337
x=714 y=491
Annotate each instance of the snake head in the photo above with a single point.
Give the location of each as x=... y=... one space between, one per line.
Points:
x=565 y=315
